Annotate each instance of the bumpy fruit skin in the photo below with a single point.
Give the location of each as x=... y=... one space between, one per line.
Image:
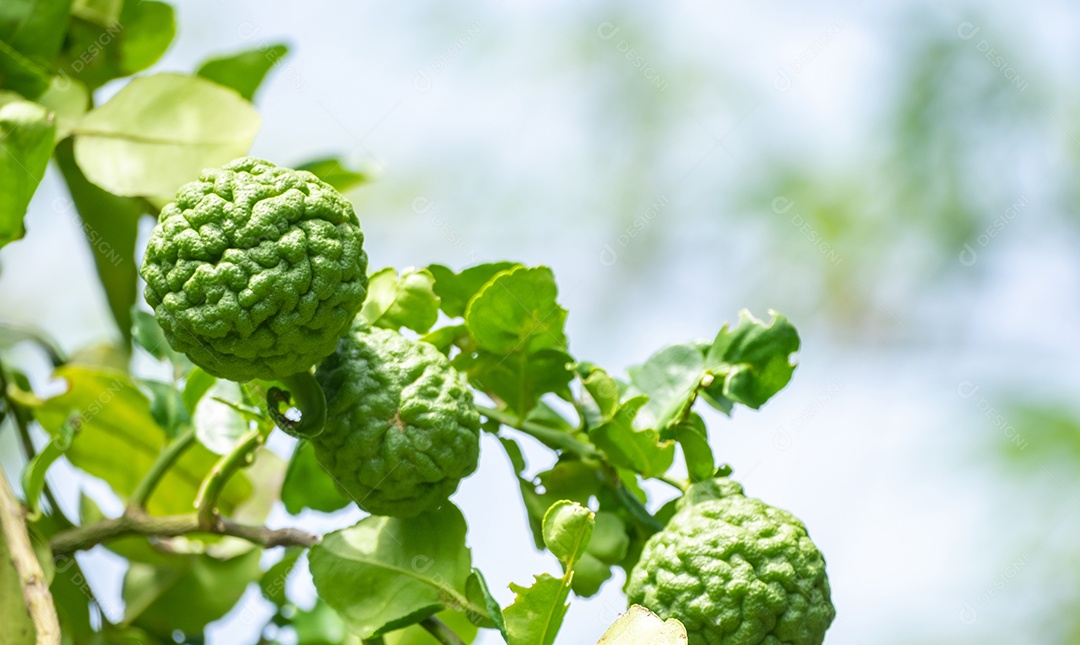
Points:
x=255 y=271
x=401 y=428
x=735 y=571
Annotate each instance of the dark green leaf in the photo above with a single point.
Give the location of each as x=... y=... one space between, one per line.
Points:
x=627 y=447
x=98 y=49
x=148 y=334
x=520 y=379
x=244 y=71
x=15 y=624
x=750 y=363
x=189 y=593
x=333 y=171
x=477 y=592
x=111 y=225
x=408 y=301
x=167 y=406
x=455 y=290
x=307 y=485
x=26 y=142
x=386 y=573
x=20 y=74
x=34 y=27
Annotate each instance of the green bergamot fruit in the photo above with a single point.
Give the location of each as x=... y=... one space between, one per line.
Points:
x=735 y=571
x=401 y=428
x=256 y=271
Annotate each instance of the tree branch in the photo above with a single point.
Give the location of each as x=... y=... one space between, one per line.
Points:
x=136 y=522
x=35 y=590
x=441 y=631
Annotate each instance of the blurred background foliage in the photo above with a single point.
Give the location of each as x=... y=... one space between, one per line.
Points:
x=897 y=178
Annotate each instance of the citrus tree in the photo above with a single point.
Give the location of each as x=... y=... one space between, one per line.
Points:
x=258 y=313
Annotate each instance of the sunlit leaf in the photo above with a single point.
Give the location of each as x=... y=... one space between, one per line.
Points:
x=639 y=625
x=244 y=71
x=160 y=131
x=407 y=300
x=26 y=142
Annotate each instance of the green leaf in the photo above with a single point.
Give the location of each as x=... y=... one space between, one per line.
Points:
x=99 y=12
x=111 y=225
x=244 y=71
x=307 y=485
x=478 y=593
x=407 y=301
x=160 y=131
x=603 y=392
x=190 y=592
x=167 y=406
x=196 y=386
x=639 y=450
x=16 y=627
x=34 y=27
x=609 y=541
x=148 y=334
x=568 y=526
x=417 y=635
x=521 y=378
x=750 y=363
x=219 y=426
x=322 y=626
x=333 y=171
x=455 y=290
x=386 y=573
x=694 y=439
x=538 y=611
x=68 y=100
x=589 y=575
x=20 y=74
x=119 y=439
x=517 y=311
x=272 y=583
x=444 y=338
x=99 y=48
x=639 y=625
x=26 y=142
x=670 y=378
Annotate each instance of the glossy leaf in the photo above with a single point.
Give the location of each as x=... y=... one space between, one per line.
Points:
x=670 y=378
x=386 y=573
x=693 y=438
x=160 y=131
x=407 y=300
x=478 y=593
x=520 y=379
x=244 y=71
x=26 y=142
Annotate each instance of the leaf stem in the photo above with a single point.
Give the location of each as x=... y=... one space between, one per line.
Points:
x=671 y=481
x=137 y=522
x=223 y=470
x=35 y=588
x=165 y=460
x=306 y=395
x=548 y=436
x=441 y=631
